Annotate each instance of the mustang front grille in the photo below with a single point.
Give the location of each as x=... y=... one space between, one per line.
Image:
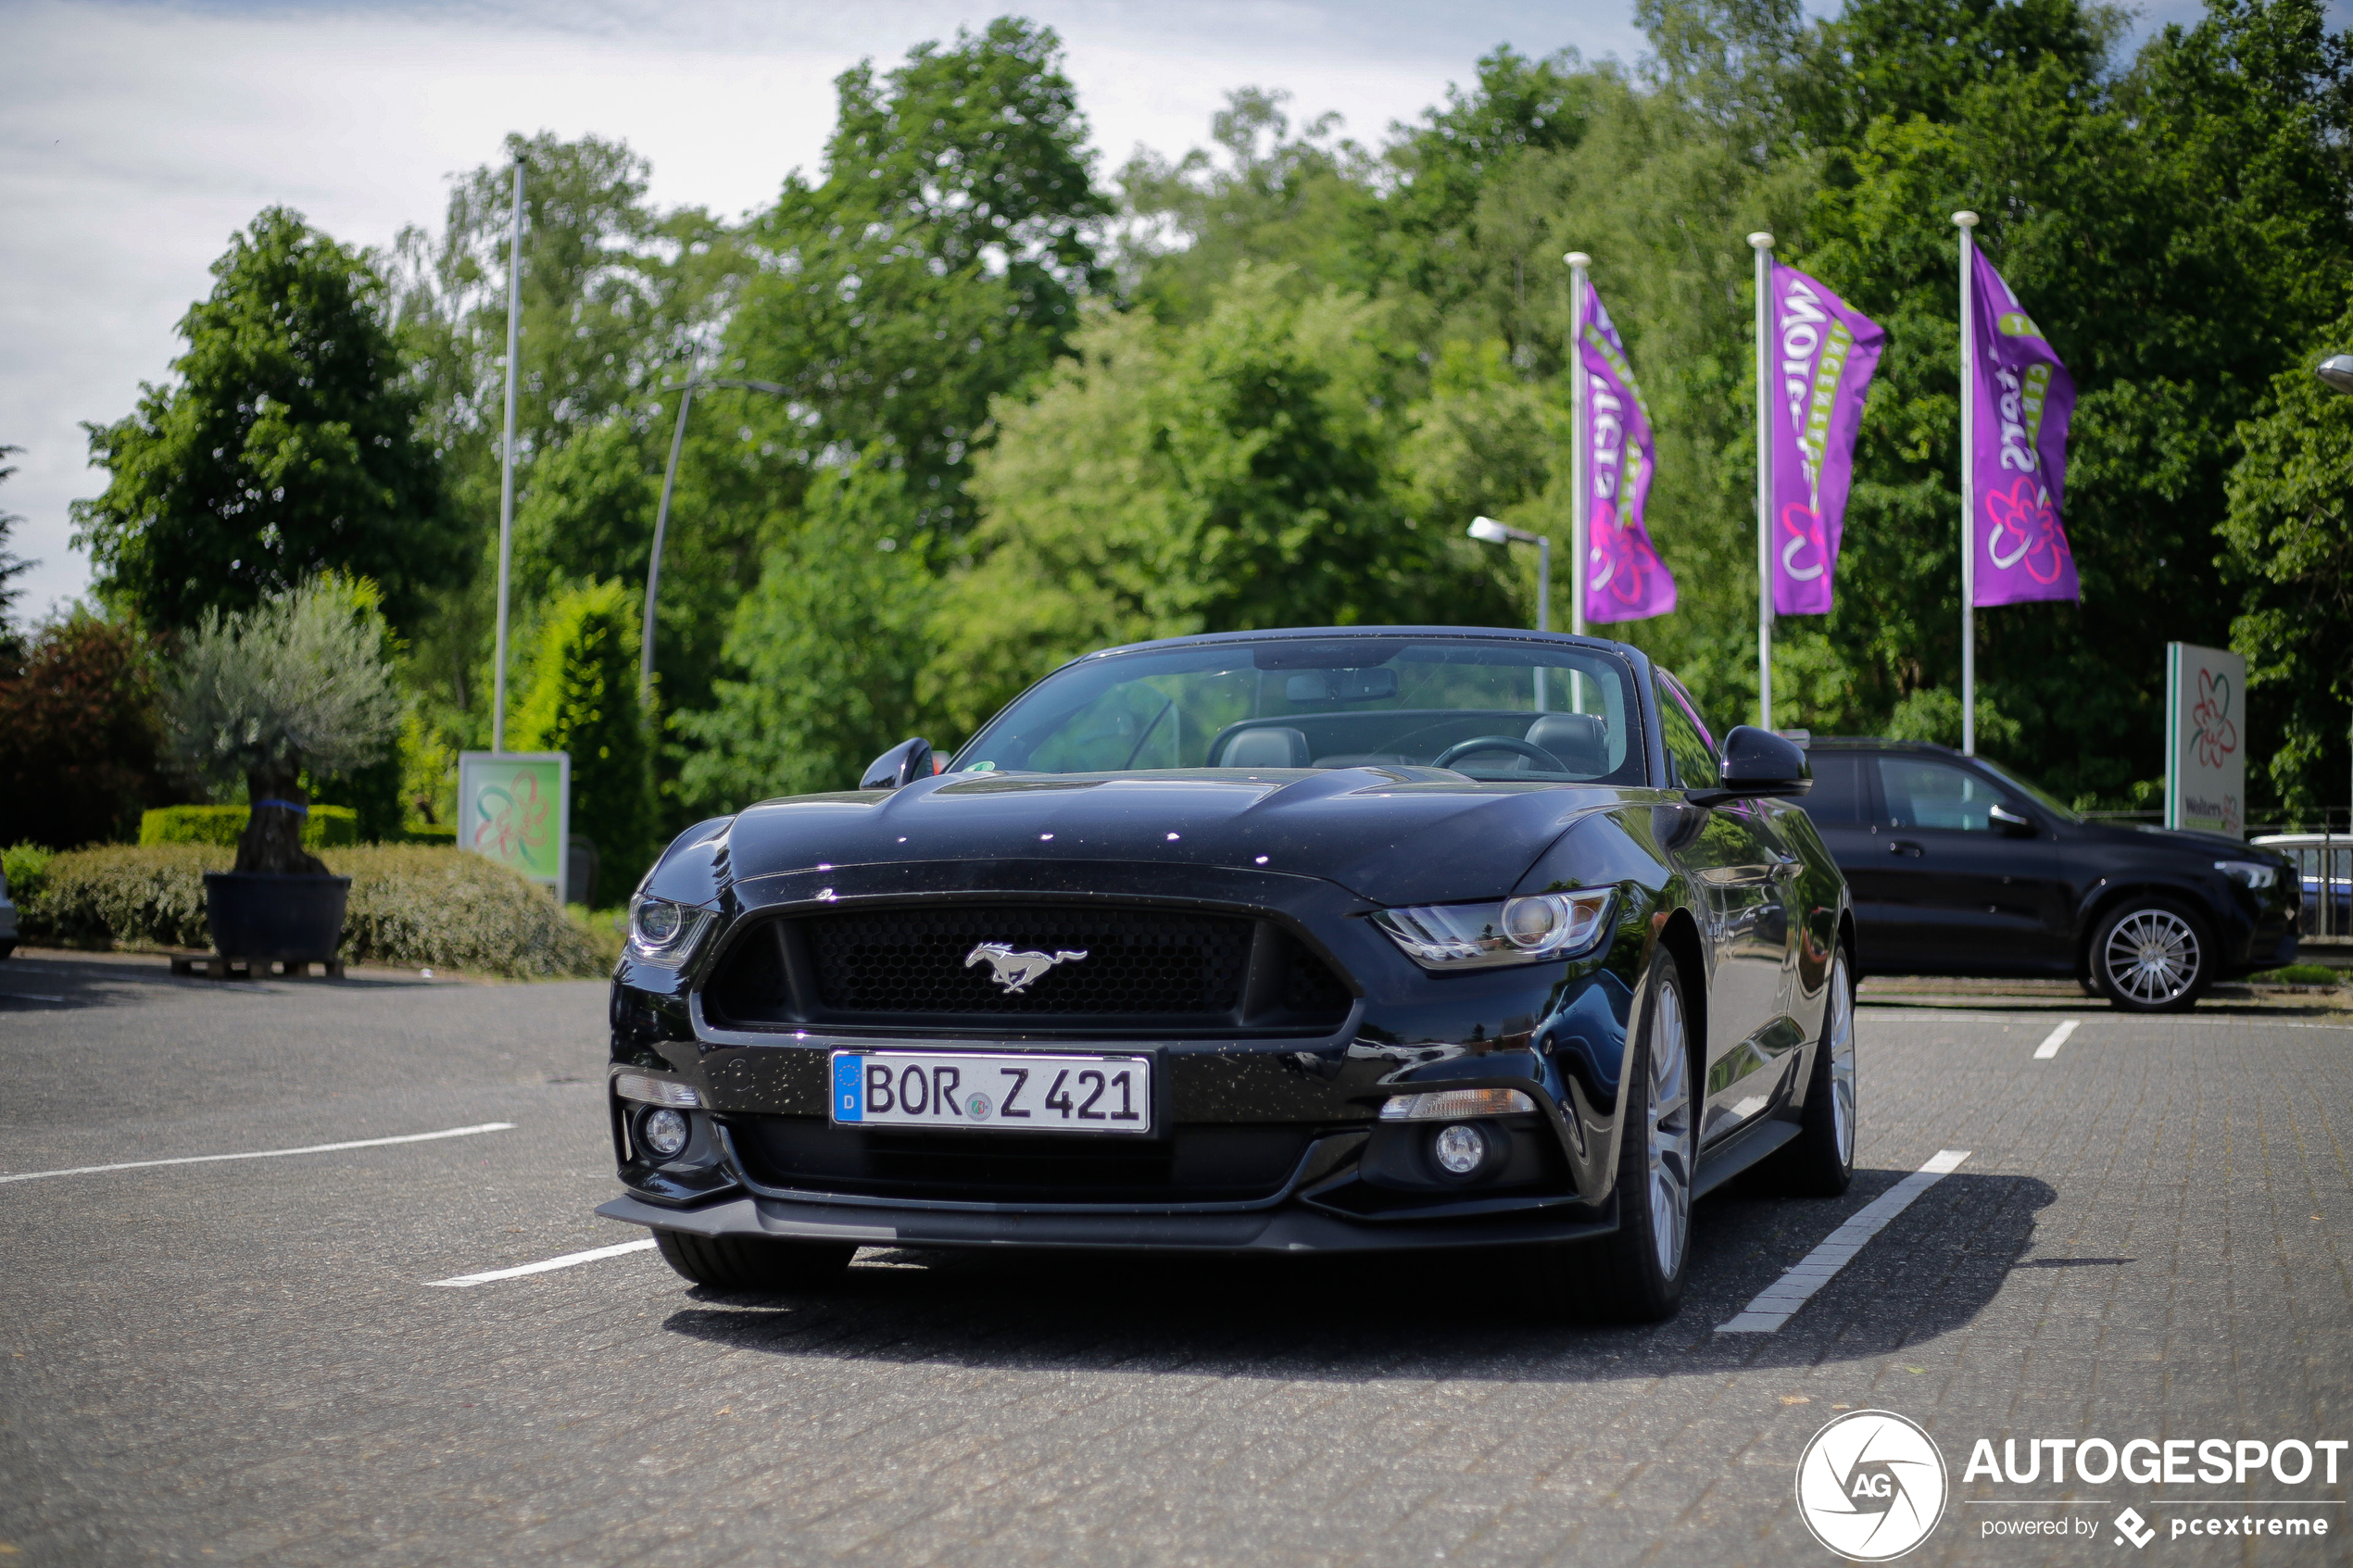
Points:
x=1040 y=967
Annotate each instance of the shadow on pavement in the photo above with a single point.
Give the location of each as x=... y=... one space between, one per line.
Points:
x=1405 y=1315
x=54 y=981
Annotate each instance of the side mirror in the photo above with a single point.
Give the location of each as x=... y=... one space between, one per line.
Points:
x=2017 y=824
x=903 y=763
x=1756 y=764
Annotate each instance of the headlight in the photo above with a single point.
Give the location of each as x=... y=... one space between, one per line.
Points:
x=2248 y=874
x=664 y=933
x=1543 y=925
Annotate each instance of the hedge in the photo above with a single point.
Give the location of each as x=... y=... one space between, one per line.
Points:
x=326 y=827
x=411 y=905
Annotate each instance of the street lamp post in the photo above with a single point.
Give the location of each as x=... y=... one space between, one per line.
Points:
x=685 y=391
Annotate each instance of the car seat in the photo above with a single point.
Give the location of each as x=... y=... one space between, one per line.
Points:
x=1271 y=746
x=1580 y=740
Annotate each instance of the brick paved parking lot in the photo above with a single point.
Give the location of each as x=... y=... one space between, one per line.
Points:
x=2151 y=1237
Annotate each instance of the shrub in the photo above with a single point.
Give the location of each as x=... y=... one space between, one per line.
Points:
x=326 y=826
x=416 y=904
x=25 y=866
x=409 y=904
x=143 y=896
x=583 y=701
x=79 y=736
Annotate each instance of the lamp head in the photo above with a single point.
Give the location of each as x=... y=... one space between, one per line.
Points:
x=1491 y=532
x=2336 y=371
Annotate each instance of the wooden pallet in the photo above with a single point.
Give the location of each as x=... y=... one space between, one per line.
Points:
x=212 y=966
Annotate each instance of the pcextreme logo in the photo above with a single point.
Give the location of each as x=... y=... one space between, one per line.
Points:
x=1870 y=1485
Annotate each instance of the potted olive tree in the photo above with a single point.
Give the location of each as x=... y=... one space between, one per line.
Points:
x=299 y=681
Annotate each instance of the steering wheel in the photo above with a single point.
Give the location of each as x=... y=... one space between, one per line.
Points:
x=1529 y=749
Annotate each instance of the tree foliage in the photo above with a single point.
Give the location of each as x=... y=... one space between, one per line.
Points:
x=583 y=700
x=80 y=737
x=256 y=697
x=289 y=444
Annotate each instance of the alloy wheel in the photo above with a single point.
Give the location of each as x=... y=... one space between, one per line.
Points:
x=1840 y=1032
x=1669 y=1133
x=2152 y=956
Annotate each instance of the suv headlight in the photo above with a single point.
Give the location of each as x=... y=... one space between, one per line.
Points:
x=1527 y=930
x=2248 y=874
x=664 y=933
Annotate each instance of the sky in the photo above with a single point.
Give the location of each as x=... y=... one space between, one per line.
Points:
x=136 y=137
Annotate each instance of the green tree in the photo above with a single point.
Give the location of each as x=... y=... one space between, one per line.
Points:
x=259 y=697
x=830 y=644
x=583 y=700
x=289 y=445
x=2288 y=544
x=12 y=566
x=81 y=735
x=1239 y=472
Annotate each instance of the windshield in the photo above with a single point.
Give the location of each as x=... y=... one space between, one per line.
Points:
x=2050 y=802
x=1489 y=708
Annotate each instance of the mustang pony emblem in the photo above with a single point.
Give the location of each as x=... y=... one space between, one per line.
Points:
x=1013 y=971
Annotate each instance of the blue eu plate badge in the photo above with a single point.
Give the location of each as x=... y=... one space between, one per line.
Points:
x=848 y=1103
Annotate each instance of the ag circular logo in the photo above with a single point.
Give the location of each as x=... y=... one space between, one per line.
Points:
x=1870 y=1485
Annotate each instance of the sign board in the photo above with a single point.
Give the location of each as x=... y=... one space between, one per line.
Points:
x=515 y=806
x=2205 y=739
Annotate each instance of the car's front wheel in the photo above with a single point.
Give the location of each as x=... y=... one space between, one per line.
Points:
x=2151 y=955
x=1635 y=1274
x=726 y=1262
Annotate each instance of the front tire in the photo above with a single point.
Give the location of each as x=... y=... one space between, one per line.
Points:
x=1820 y=1161
x=740 y=1263
x=1635 y=1274
x=2151 y=955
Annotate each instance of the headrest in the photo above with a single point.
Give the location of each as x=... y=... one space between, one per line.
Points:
x=1272 y=745
x=1580 y=740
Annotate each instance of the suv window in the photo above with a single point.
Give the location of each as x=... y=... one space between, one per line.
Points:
x=1691 y=751
x=1840 y=796
x=1923 y=794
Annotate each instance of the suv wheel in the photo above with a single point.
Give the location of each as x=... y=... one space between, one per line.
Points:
x=2151 y=955
x=727 y=1262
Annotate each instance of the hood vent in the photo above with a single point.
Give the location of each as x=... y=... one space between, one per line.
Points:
x=1145 y=970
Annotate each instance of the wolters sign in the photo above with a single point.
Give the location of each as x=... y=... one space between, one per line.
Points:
x=2205 y=739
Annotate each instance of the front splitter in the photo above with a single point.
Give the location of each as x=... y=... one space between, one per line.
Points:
x=1282 y=1229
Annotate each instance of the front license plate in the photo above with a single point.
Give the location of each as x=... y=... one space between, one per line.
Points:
x=1017 y=1093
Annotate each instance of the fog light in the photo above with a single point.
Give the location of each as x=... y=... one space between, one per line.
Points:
x=664 y=1132
x=1460 y=1149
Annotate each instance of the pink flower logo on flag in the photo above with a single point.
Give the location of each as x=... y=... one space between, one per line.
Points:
x=1805 y=553
x=1621 y=558
x=2217 y=735
x=2026 y=530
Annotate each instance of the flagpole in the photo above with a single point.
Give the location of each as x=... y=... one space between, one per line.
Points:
x=1763 y=245
x=1581 y=457
x=506 y=471
x=1965 y=222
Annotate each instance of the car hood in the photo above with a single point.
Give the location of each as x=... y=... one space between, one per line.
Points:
x=2193 y=841
x=1391 y=835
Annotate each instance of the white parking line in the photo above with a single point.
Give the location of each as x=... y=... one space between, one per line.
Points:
x=2053 y=1041
x=569 y=1259
x=1774 y=1305
x=265 y=1153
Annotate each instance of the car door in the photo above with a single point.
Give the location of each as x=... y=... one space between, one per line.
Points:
x=1741 y=873
x=1843 y=805
x=1958 y=889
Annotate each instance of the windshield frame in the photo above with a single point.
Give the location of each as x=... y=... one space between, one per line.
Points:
x=1626 y=666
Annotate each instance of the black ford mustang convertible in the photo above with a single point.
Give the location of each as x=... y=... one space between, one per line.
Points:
x=1385 y=937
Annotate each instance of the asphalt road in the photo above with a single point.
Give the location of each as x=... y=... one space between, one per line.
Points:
x=2150 y=1236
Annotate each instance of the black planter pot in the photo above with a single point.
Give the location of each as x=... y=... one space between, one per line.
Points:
x=288 y=918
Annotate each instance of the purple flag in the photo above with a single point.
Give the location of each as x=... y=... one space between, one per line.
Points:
x=1828 y=351
x=1624 y=578
x=2024 y=399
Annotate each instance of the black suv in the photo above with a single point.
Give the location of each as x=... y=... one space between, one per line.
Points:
x=1961 y=867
